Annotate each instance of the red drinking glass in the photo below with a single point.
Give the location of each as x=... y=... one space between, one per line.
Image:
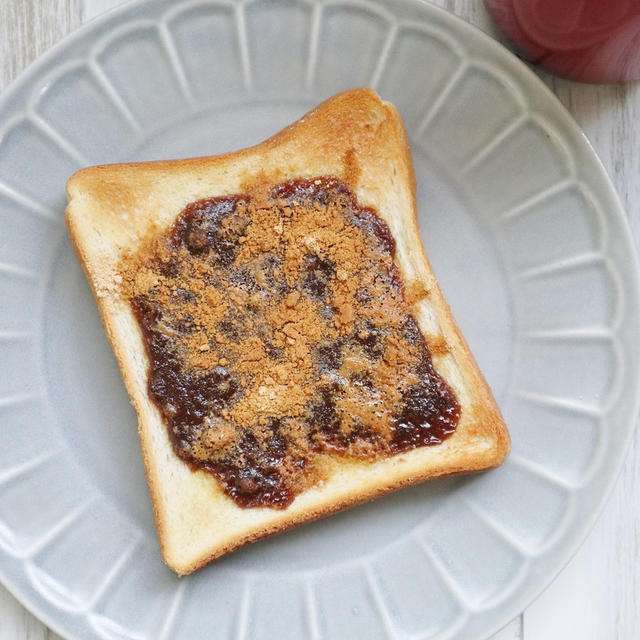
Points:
x=586 y=40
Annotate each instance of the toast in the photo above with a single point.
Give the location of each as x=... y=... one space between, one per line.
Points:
x=205 y=257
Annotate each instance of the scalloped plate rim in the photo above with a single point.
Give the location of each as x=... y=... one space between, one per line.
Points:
x=21 y=591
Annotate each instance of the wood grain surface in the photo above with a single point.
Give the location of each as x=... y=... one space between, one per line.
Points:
x=597 y=596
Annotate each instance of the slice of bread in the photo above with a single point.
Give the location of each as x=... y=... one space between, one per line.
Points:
x=359 y=140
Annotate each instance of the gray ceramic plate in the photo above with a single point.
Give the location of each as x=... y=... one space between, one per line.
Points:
x=526 y=236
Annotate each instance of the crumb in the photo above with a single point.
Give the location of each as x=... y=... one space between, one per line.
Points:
x=288 y=322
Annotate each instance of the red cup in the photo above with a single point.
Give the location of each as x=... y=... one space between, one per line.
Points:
x=586 y=40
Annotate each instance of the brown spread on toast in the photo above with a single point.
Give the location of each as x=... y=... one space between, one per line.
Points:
x=279 y=332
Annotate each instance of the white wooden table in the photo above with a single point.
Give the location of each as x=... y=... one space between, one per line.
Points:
x=597 y=596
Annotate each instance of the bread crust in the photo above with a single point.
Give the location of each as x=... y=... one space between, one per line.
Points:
x=113 y=208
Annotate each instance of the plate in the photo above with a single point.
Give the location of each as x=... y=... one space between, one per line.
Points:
x=525 y=233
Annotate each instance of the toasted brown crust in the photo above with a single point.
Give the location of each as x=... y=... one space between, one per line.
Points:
x=360 y=139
